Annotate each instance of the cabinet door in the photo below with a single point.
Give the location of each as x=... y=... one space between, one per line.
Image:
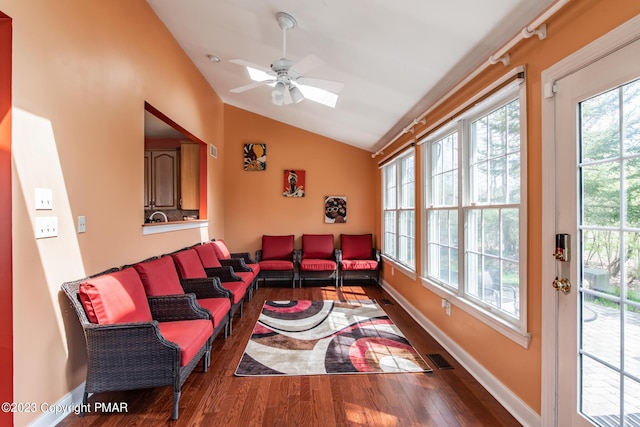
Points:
x=147 y=180
x=164 y=174
x=190 y=176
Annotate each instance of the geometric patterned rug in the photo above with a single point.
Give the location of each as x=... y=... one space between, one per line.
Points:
x=327 y=337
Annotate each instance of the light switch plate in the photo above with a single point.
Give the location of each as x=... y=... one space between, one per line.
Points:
x=82 y=224
x=44 y=199
x=46 y=226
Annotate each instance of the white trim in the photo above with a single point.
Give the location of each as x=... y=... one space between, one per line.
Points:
x=511 y=402
x=610 y=42
x=509 y=330
x=172 y=226
x=63 y=408
x=406 y=270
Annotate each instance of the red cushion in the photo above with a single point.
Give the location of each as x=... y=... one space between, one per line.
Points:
x=277 y=247
x=190 y=335
x=159 y=277
x=317 y=265
x=276 y=264
x=317 y=246
x=208 y=256
x=246 y=276
x=189 y=265
x=359 y=264
x=115 y=298
x=356 y=246
x=221 y=249
x=238 y=289
x=219 y=308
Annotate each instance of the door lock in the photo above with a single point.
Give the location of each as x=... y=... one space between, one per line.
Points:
x=562 y=285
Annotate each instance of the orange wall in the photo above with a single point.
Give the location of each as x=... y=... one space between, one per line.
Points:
x=82 y=72
x=577 y=24
x=253 y=201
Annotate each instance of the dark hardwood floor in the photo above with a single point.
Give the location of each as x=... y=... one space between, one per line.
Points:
x=445 y=397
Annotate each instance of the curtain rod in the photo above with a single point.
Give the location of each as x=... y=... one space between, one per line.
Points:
x=539 y=29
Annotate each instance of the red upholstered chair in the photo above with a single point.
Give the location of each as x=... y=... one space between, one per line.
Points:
x=226 y=273
x=276 y=258
x=160 y=277
x=190 y=266
x=240 y=261
x=134 y=341
x=318 y=258
x=360 y=259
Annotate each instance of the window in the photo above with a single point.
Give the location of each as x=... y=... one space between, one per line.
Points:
x=399 y=210
x=475 y=229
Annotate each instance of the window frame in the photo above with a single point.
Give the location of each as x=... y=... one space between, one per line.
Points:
x=397 y=208
x=513 y=328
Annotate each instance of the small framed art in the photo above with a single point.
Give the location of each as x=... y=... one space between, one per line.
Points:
x=294 y=183
x=335 y=209
x=255 y=157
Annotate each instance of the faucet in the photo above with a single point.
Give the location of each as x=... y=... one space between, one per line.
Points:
x=158 y=212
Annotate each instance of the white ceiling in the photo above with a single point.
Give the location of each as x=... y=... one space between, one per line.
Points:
x=395 y=58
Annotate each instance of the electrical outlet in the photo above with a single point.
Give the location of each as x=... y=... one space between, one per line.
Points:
x=46 y=226
x=447 y=308
x=44 y=199
x=82 y=224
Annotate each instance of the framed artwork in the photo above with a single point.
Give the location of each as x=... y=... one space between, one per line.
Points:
x=294 y=183
x=255 y=157
x=335 y=209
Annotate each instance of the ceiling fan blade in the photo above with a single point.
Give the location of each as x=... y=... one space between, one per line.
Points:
x=251 y=86
x=328 y=85
x=307 y=64
x=244 y=63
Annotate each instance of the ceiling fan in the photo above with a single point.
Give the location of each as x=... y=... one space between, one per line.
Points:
x=287 y=77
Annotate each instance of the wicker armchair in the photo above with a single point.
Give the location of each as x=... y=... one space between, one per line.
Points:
x=129 y=346
x=277 y=258
x=241 y=262
x=318 y=258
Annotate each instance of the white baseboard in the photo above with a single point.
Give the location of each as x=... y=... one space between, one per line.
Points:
x=53 y=414
x=512 y=403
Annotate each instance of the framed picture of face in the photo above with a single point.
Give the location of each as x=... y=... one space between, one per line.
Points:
x=335 y=209
x=294 y=183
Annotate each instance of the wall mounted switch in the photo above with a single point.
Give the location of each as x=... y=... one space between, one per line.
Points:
x=44 y=199
x=82 y=224
x=46 y=226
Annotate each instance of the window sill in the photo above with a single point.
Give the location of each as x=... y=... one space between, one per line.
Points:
x=505 y=328
x=166 y=227
x=395 y=265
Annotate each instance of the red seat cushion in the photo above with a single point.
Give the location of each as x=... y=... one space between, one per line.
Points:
x=221 y=249
x=317 y=246
x=190 y=335
x=238 y=289
x=276 y=264
x=208 y=255
x=117 y=297
x=359 y=264
x=219 y=308
x=277 y=247
x=189 y=265
x=356 y=246
x=317 y=265
x=159 y=277
x=246 y=276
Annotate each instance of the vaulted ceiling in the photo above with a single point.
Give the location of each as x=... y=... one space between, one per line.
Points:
x=395 y=58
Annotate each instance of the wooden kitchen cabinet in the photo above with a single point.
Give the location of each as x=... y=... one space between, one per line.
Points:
x=161 y=179
x=189 y=176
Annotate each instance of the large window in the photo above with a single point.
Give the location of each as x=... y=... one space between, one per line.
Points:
x=399 y=210
x=474 y=234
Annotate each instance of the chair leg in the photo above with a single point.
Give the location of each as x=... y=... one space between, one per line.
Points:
x=85 y=399
x=176 y=400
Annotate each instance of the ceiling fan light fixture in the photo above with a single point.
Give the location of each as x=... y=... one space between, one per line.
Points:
x=277 y=94
x=296 y=94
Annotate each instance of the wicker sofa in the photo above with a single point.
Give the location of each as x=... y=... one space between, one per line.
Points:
x=134 y=341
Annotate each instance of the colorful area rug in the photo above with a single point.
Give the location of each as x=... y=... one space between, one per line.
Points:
x=327 y=337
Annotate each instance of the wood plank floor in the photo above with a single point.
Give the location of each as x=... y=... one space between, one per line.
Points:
x=445 y=397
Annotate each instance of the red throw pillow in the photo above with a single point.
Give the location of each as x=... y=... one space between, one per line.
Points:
x=277 y=247
x=208 y=256
x=117 y=297
x=189 y=265
x=317 y=246
x=159 y=277
x=356 y=246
